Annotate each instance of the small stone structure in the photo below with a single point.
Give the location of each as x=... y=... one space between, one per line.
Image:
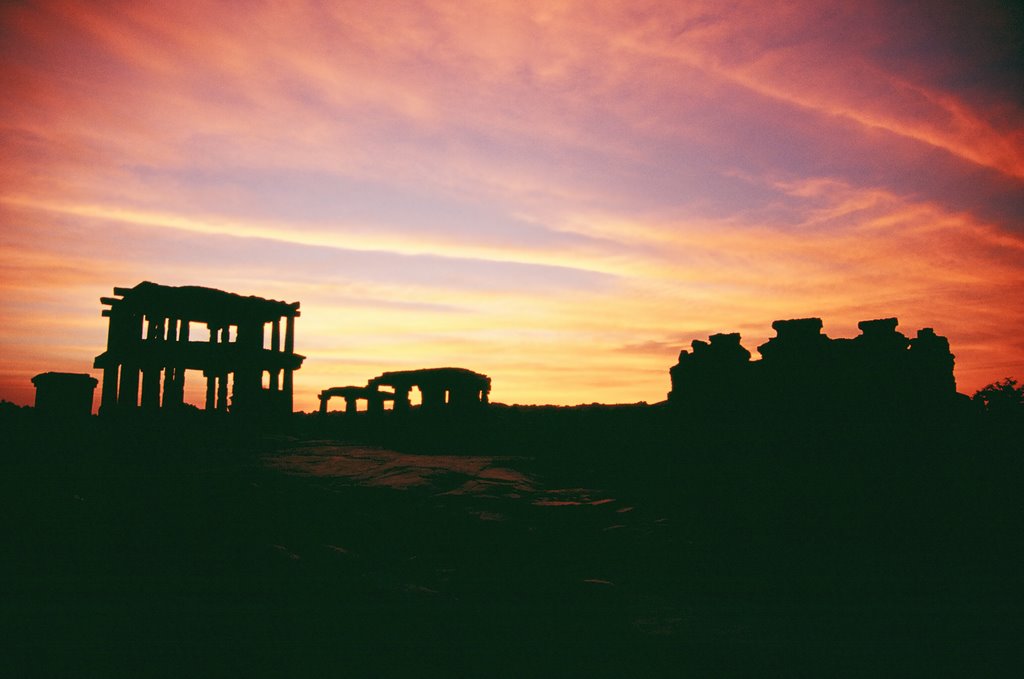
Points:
x=64 y=395
x=149 y=335
x=352 y=395
x=880 y=368
x=441 y=388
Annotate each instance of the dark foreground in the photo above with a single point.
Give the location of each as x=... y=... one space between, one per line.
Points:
x=556 y=544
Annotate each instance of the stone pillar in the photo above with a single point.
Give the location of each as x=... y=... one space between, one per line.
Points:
x=151 y=371
x=222 y=393
x=170 y=376
x=211 y=391
x=129 y=344
x=222 y=377
x=179 y=379
x=275 y=346
x=247 y=382
x=151 y=388
x=401 y=399
x=289 y=348
x=108 y=400
x=433 y=397
x=209 y=373
x=323 y=404
x=287 y=401
x=128 y=392
x=350 y=404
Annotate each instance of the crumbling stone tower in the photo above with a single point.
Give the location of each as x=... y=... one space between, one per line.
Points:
x=881 y=368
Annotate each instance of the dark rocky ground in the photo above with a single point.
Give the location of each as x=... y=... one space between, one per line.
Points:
x=532 y=542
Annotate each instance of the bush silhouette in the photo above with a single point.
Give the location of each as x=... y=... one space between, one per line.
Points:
x=1004 y=398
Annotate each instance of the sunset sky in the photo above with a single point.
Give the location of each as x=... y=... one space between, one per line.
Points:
x=561 y=195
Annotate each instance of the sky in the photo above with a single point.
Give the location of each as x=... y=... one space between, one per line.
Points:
x=561 y=195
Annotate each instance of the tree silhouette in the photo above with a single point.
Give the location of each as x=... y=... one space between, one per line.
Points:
x=1004 y=398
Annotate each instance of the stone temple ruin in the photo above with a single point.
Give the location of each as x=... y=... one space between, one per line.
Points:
x=441 y=388
x=880 y=368
x=149 y=335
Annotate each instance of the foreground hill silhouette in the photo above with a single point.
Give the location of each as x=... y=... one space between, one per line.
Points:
x=594 y=541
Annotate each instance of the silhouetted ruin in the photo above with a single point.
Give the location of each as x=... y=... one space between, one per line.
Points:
x=441 y=388
x=352 y=395
x=881 y=372
x=881 y=368
x=64 y=395
x=149 y=335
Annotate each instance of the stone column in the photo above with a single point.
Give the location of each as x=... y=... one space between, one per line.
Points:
x=222 y=393
x=247 y=382
x=211 y=391
x=170 y=371
x=402 y=399
x=129 y=341
x=108 y=400
x=275 y=346
x=151 y=371
x=179 y=379
x=323 y=404
x=128 y=392
x=433 y=397
x=289 y=348
x=151 y=388
x=210 y=373
x=222 y=377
